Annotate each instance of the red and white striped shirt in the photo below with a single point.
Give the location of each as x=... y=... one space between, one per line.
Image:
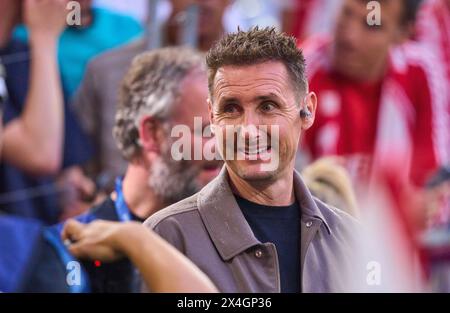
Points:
x=399 y=123
x=433 y=30
x=314 y=17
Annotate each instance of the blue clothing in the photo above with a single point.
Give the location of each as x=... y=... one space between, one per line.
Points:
x=78 y=45
x=279 y=225
x=118 y=276
x=77 y=149
x=17 y=246
x=30 y=261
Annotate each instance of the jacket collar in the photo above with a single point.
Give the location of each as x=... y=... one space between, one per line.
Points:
x=307 y=203
x=226 y=223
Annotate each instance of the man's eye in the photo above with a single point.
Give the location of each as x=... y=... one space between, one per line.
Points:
x=230 y=109
x=267 y=106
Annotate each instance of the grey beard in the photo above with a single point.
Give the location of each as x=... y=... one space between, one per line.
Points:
x=171 y=181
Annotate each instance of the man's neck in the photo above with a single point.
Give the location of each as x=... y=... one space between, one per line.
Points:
x=371 y=74
x=276 y=192
x=139 y=197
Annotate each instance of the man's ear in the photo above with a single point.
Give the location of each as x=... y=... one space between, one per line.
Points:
x=310 y=103
x=210 y=111
x=149 y=134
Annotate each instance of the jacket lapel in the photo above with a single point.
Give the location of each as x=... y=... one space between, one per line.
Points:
x=223 y=218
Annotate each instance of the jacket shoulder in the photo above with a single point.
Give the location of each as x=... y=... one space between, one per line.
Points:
x=175 y=211
x=339 y=221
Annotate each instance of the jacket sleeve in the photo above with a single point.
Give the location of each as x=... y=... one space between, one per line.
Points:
x=170 y=230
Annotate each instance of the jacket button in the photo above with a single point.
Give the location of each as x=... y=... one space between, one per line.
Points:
x=309 y=224
x=258 y=253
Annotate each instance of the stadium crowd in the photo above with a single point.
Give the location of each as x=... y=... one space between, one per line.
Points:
x=118 y=173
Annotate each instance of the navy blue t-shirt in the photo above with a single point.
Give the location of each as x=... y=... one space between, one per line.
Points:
x=279 y=225
x=22 y=194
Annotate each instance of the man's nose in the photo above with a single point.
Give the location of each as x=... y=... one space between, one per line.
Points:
x=248 y=129
x=250 y=118
x=350 y=33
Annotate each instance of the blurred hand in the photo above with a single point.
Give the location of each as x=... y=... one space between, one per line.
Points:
x=95 y=241
x=78 y=192
x=73 y=177
x=46 y=17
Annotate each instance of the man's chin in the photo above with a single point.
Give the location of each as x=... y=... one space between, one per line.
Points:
x=253 y=172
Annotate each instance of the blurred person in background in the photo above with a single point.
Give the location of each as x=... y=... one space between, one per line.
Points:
x=27 y=144
x=305 y=18
x=435 y=239
x=34 y=259
x=381 y=103
x=210 y=22
x=138 y=11
x=163 y=88
x=30 y=144
x=433 y=30
x=96 y=99
x=99 y=30
x=438 y=198
x=41 y=134
x=328 y=180
x=249 y=13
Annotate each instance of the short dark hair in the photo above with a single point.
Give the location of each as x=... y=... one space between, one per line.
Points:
x=257 y=46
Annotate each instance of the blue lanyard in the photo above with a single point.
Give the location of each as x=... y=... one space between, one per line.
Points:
x=53 y=236
x=122 y=210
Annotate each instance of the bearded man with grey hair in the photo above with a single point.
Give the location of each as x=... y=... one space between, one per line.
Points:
x=162 y=89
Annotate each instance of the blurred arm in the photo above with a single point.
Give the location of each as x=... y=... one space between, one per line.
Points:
x=34 y=141
x=163 y=268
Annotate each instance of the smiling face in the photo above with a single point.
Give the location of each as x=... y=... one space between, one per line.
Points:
x=262 y=97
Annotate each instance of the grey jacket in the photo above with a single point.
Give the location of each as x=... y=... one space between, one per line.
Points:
x=210 y=229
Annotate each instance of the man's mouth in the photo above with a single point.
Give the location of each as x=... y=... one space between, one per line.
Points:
x=254 y=151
